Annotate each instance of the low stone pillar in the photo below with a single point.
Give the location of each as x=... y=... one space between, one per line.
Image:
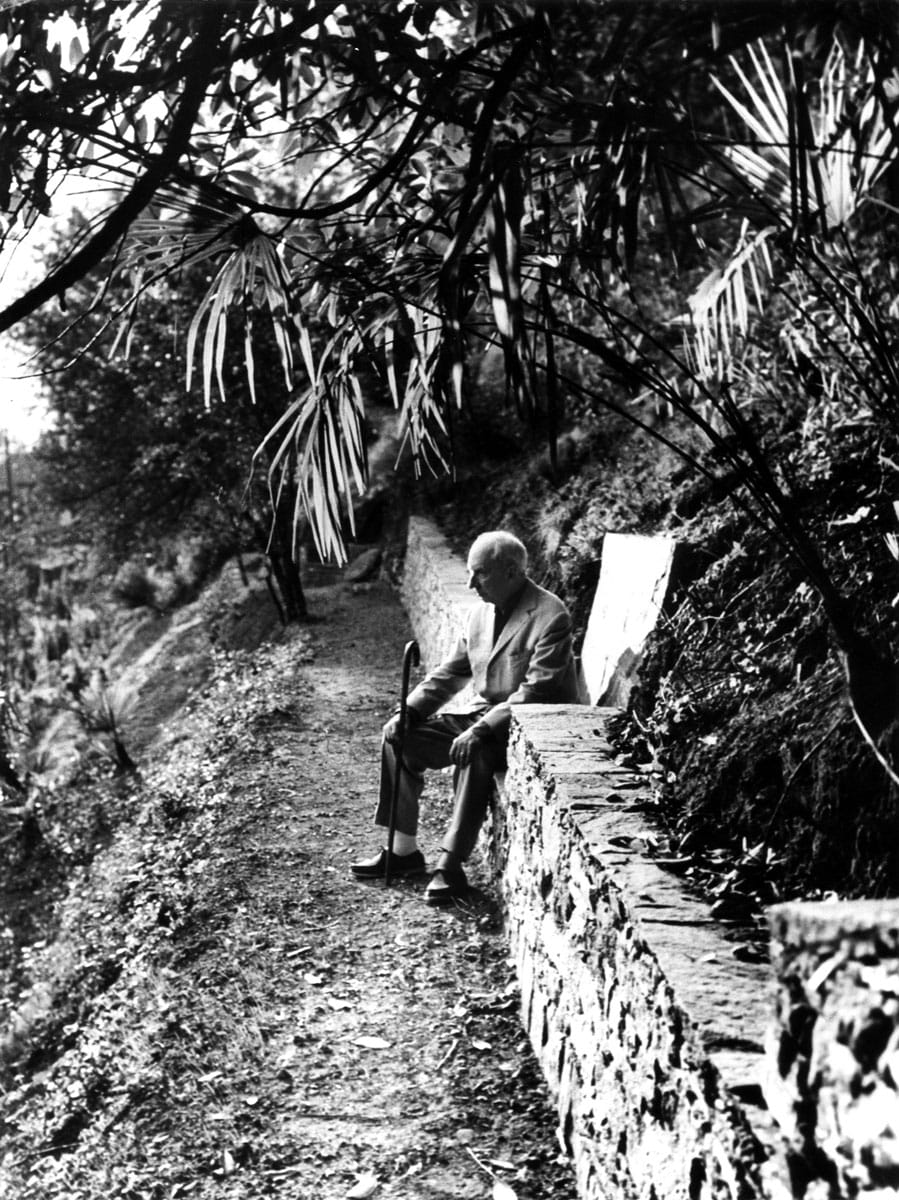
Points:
x=832 y=1058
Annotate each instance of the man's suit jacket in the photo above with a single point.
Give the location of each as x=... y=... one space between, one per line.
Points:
x=531 y=662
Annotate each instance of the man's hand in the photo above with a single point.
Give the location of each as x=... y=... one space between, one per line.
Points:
x=391 y=730
x=462 y=747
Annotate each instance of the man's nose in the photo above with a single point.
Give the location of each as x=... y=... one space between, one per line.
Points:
x=470 y=579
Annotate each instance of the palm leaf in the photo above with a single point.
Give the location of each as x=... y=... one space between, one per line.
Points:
x=814 y=163
x=807 y=151
x=391 y=364
x=321 y=439
x=253 y=275
x=720 y=306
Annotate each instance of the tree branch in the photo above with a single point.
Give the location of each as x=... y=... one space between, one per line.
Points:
x=204 y=58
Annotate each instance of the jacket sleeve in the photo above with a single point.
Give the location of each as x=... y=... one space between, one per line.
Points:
x=441 y=684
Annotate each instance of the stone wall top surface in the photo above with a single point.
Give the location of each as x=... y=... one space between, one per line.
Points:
x=808 y=922
x=728 y=1000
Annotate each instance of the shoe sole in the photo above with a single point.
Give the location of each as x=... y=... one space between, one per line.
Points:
x=441 y=899
x=396 y=873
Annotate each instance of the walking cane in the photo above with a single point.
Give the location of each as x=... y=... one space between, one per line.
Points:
x=411 y=658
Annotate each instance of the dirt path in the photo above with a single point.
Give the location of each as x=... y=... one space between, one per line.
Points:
x=394 y=1053
x=452 y=1083
x=305 y=1035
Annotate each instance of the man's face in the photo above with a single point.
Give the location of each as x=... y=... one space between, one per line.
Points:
x=492 y=579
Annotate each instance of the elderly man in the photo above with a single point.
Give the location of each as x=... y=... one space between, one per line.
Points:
x=516 y=650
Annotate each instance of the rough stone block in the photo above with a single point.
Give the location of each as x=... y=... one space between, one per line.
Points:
x=832 y=1067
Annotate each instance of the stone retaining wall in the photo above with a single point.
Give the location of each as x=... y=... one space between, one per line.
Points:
x=639 y=1014
x=647 y=1028
x=647 y=1019
x=434 y=591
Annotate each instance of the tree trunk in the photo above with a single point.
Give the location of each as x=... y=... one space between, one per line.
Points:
x=283 y=577
x=287 y=576
x=125 y=764
x=285 y=567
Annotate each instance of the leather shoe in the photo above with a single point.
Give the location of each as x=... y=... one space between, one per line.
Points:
x=400 y=864
x=447 y=884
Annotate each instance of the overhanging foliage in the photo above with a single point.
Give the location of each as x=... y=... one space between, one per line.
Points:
x=433 y=178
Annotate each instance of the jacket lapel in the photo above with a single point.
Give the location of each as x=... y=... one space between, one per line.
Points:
x=527 y=602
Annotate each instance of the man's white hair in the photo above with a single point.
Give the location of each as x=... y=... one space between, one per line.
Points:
x=500 y=546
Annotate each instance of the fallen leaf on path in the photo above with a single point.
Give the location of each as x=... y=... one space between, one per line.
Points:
x=502 y=1163
x=479 y=1045
x=339 y=1005
x=502 y=1191
x=371 y=1043
x=365 y=1186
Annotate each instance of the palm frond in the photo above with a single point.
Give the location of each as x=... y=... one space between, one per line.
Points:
x=812 y=164
x=720 y=306
x=318 y=444
x=849 y=141
x=252 y=276
x=504 y=218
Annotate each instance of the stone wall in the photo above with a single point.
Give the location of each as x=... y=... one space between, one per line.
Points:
x=648 y=1029
x=434 y=591
x=646 y=1026
x=649 y=1021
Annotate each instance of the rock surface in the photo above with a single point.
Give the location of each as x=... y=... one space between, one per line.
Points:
x=833 y=1077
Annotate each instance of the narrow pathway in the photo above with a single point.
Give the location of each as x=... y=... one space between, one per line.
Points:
x=375 y=1047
